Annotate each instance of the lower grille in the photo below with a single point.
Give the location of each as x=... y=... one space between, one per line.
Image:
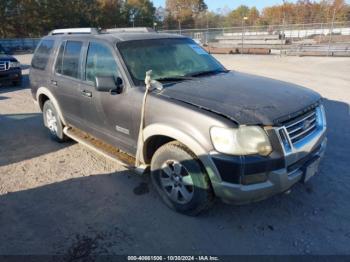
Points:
x=301 y=126
x=4 y=66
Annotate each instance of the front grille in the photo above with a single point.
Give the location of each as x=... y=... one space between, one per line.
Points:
x=301 y=126
x=4 y=66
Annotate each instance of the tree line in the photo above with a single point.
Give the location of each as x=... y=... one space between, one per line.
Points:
x=34 y=18
x=300 y=12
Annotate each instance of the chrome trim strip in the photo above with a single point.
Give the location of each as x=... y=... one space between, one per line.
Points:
x=4 y=66
x=299 y=128
x=305 y=131
x=301 y=120
x=295 y=151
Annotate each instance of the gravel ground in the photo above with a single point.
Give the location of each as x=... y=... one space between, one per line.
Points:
x=65 y=199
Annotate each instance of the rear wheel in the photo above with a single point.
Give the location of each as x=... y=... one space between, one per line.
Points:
x=53 y=122
x=180 y=179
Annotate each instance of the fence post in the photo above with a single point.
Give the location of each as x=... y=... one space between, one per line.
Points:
x=243 y=23
x=331 y=33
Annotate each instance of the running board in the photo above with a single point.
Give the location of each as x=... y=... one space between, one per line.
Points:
x=104 y=149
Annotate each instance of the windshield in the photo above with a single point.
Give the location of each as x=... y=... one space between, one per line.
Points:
x=167 y=58
x=2 y=51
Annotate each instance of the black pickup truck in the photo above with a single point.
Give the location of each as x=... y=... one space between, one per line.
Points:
x=10 y=69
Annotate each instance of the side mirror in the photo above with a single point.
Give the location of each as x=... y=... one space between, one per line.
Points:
x=109 y=84
x=157 y=85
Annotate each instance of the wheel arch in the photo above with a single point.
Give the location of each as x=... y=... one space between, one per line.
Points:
x=42 y=95
x=156 y=135
x=165 y=134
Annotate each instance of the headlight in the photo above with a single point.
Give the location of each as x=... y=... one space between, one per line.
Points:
x=245 y=140
x=15 y=64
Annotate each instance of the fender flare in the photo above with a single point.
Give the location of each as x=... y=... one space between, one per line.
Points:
x=186 y=139
x=176 y=134
x=45 y=91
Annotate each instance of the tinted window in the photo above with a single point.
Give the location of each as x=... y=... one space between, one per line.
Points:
x=42 y=54
x=59 y=61
x=100 y=62
x=71 y=59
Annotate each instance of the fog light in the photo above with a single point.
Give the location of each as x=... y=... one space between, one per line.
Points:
x=254 y=179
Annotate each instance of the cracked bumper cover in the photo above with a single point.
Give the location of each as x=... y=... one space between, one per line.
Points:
x=277 y=181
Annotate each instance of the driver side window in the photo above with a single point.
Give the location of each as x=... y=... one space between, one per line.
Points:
x=100 y=62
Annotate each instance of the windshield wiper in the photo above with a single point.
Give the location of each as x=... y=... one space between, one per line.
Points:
x=174 y=78
x=210 y=72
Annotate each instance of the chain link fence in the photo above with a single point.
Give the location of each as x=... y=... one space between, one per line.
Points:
x=292 y=39
x=19 y=45
x=295 y=39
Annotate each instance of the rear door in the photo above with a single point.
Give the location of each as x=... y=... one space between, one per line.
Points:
x=67 y=80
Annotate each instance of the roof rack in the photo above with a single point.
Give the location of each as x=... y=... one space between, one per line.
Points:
x=71 y=31
x=130 y=30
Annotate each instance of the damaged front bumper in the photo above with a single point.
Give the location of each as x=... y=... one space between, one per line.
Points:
x=278 y=181
x=245 y=179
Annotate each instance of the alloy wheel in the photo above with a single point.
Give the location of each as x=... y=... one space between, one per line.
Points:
x=176 y=182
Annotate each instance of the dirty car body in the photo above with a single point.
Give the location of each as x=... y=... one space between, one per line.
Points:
x=201 y=106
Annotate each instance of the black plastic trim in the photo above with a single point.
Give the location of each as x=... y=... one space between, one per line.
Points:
x=232 y=168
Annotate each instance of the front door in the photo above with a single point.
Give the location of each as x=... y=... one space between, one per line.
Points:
x=107 y=115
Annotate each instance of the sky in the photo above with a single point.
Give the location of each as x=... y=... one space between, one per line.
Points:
x=213 y=5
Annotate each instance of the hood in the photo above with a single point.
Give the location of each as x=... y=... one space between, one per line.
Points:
x=7 y=58
x=246 y=99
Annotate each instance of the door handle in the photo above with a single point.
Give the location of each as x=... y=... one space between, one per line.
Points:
x=54 y=82
x=86 y=93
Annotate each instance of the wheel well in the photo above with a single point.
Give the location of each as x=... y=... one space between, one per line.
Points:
x=152 y=144
x=42 y=99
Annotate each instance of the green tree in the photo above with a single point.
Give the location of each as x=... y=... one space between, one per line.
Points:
x=142 y=12
x=185 y=11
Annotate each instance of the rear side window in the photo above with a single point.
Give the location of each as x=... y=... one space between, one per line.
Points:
x=42 y=54
x=100 y=62
x=68 y=59
x=59 y=61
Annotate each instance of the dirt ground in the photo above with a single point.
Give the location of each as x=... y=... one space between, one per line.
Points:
x=65 y=199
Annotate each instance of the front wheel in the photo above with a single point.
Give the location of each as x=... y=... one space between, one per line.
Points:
x=53 y=122
x=180 y=179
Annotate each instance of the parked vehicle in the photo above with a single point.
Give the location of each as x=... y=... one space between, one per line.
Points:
x=206 y=132
x=10 y=69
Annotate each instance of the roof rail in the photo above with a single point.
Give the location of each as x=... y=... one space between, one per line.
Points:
x=71 y=31
x=130 y=30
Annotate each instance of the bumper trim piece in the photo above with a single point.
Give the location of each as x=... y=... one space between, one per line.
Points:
x=279 y=181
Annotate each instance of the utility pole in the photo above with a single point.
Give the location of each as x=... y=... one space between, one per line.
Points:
x=283 y=27
x=207 y=34
x=243 y=23
x=331 y=32
x=133 y=20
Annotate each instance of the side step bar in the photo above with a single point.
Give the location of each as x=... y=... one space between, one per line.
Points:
x=104 y=149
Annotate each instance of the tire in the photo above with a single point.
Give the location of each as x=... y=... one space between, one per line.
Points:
x=53 y=122
x=180 y=179
x=17 y=83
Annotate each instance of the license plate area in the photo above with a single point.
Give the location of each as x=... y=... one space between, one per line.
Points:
x=310 y=169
